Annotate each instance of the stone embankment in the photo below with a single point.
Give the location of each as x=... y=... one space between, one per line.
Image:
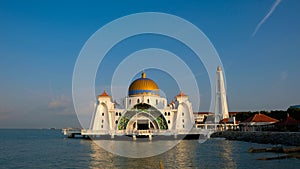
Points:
x=284 y=138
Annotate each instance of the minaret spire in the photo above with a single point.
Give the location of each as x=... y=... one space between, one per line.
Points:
x=143 y=74
x=221 y=109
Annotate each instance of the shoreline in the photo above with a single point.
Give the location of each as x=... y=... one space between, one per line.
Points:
x=263 y=137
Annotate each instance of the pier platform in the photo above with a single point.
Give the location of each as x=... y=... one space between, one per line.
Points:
x=71 y=132
x=205 y=130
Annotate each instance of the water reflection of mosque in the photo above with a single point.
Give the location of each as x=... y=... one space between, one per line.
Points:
x=187 y=153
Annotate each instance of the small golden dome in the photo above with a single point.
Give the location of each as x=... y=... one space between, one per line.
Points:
x=143 y=86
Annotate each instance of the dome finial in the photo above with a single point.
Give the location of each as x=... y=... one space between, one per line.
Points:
x=143 y=74
x=219 y=68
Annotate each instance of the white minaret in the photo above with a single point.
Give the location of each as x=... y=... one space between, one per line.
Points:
x=221 y=109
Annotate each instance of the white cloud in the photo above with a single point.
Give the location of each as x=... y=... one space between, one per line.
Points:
x=277 y=2
x=61 y=105
x=284 y=75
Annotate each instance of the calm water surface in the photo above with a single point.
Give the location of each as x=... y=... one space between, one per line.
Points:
x=50 y=149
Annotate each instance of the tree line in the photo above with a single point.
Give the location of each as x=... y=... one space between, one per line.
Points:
x=280 y=115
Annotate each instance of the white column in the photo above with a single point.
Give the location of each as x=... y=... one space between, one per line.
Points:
x=221 y=109
x=136 y=124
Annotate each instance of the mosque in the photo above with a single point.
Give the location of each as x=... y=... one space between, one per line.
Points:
x=145 y=110
x=146 y=113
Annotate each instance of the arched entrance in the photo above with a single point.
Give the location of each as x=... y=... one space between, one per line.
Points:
x=142 y=121
x=142 y=117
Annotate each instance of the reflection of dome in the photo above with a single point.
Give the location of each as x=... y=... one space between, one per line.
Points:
x=143 y=86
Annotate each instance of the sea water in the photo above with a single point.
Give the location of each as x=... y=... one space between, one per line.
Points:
x=37 y=148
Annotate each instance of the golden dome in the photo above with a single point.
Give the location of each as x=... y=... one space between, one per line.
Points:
x=143 y=86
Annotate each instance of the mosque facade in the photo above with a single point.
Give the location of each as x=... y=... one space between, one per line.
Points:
x=144 y=110
x=145 y=113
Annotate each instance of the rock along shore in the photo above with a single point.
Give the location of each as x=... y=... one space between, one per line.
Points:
x=284 y=138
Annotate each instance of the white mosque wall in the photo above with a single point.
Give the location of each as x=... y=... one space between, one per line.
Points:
x=116 y=116
x=106 y=117
x=154 y=101
x=169 y=116
x=101 y=120
x=185 y=117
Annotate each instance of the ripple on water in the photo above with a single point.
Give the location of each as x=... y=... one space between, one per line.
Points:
x=49 y=149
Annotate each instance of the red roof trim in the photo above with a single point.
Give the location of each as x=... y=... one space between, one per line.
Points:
x=181 y=94
x=104 y=94
x=261 y=118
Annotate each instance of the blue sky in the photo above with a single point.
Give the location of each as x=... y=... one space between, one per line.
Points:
x=40 y=42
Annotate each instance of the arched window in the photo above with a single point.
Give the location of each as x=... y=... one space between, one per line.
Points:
x=182 y=126
x=138 y=100
x=182 y=113
x=182 y=120
x=156 y=102
x=102 y=121
x=116 y=121
x=148 y=101
x=102 y=114
x=129 y=101
x=101 y=126
x=120 y=114
x=116 y=113
x=168 y=113
x=169 y=121
x=165 y=113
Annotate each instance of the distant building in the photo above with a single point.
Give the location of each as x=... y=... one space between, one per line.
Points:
x=289 y=124
x=200 y=117
x=295 y=107
x=257 y=122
